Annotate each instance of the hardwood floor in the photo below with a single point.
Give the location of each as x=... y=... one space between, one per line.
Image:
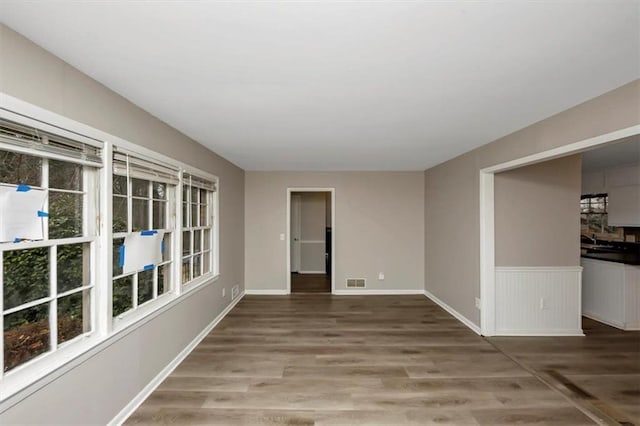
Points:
x=387 y=360
x=310 y=283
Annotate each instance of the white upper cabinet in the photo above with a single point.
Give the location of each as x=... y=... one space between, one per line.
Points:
x=624 y=205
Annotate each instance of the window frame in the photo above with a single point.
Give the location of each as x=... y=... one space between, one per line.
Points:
x=36 y=373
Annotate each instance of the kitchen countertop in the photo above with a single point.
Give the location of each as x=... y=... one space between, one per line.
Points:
x=628 y=258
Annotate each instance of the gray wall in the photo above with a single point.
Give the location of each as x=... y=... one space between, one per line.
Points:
x=95 y=391
x=452 y=200
x=379 y=227
x=537 y=214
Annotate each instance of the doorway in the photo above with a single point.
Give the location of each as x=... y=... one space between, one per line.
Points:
x=310 y=240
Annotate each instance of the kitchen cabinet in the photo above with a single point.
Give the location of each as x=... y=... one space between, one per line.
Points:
x=611 y=293
x=624 y=205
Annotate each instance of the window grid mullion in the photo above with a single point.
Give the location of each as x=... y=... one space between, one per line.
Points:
x=53 y=305
x=1 y=316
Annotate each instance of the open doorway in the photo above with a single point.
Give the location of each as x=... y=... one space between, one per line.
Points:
x=310 y=243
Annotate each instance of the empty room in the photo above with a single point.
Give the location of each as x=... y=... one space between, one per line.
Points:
x=320 y=212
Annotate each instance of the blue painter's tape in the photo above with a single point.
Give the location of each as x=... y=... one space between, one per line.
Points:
x=147 y=233
x=23 y=188
x=16 y=240
x=148 y=267
x=162 y=247
x=121 y=262
x=42 y=214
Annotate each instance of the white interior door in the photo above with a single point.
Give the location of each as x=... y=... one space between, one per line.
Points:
x=296 y=203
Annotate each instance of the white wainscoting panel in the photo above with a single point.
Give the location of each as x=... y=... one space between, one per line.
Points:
x=538 y=301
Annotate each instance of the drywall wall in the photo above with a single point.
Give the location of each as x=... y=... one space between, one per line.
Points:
x=104 y=384
x=537 y=214
x=452 y=191
x=379 y=227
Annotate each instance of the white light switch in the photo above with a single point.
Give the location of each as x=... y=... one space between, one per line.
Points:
x=281 y=237
x=381 y=276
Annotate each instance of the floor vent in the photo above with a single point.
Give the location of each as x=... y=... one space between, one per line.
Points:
x=356 y=283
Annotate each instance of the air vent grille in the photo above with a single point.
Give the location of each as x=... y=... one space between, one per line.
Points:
x=356 y=283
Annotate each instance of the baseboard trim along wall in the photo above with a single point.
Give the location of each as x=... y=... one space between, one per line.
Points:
x=376 y=292
x=129 y=409
x=249 y=292
x=539 y=301
x=457 y=315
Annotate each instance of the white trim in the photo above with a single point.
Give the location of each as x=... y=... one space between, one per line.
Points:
x=487 y=213
x=133 y=405
x=270 y=292
x=376 y=292
x=287 y=239
x=539 y=268
x=457 y=315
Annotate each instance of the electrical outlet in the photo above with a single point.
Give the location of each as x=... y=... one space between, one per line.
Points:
x=281 y=237
x=224 y=291
x=478 y=305
x=543 y=304
x=381 y=276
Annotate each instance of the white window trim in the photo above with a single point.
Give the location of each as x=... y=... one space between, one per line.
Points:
x=33 y=375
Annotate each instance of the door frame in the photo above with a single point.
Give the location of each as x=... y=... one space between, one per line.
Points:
x=487 y=214
x=290 y=190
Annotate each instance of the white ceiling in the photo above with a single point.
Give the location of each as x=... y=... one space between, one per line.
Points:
x=343 y=85
x=615 y=154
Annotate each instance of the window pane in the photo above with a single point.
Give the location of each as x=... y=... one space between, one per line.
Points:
x=207 y=239
x=72 y=272
x=119 y=214
x=186 y=243
x=197 y=265
x=26 y=335
x=63 y=175
x=120 y=185
x=203 y=196
x=194 y=215
x=186 y=270
x=65 y=215
x=166 y=253
x=159 y=214
x=185 y=215
x=185 y=193
x=26 y=276
x=204 y=219
x=194 y=195
x=163 y=279
x=206 y=262
x=20 y=168
x=159 y=191
x=117 y=244
x=140 y=215
x=122 y=295
x=140 y=188
x=73 y=315
x=197 y=237
x=145 y=286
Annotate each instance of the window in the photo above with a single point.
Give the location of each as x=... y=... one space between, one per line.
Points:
x=48 y=284
x=593 y=216
x=55 y=279
x=197 y=227
x=144 y=196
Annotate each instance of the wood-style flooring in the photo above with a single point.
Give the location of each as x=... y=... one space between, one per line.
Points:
x=381 y=360
x=310 y=283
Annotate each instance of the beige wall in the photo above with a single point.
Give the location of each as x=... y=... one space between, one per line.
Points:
x=537 y=214
x=100 y=387
x=379 y=227
x=452 y=224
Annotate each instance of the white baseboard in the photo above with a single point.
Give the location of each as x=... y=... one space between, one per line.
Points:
x=453 y=312
x=375 y=292
x=259 y=292
x=132 y=406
